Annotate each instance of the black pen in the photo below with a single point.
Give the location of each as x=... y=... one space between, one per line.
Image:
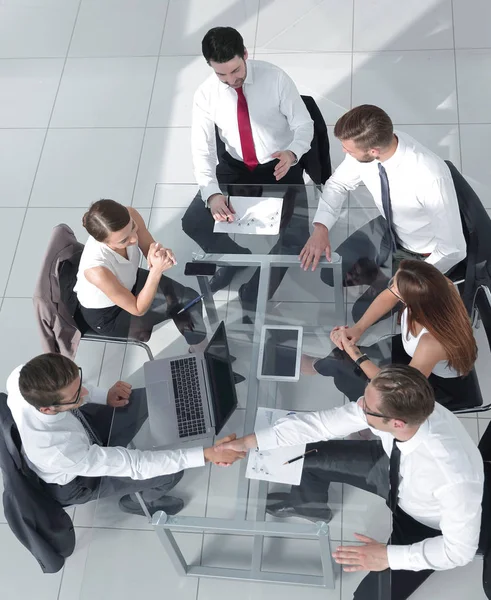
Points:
x=292 y=460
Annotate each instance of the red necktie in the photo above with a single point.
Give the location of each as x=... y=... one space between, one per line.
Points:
x=245 y=131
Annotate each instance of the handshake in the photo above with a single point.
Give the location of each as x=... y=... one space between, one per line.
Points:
x=229 y=449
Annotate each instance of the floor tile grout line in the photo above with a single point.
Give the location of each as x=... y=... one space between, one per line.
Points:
x=328 y=123
x=7 y=281
x=149 y=110
x=457 y=88
x=257 y=52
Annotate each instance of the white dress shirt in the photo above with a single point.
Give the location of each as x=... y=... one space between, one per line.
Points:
x=441 y=479
x=58 y=449
x=279 y=120
x=98 y=254
x=425 y=209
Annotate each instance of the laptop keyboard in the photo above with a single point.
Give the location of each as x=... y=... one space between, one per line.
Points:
x=189 y=404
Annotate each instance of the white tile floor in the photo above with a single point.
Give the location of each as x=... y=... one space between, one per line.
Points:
x=95 y=101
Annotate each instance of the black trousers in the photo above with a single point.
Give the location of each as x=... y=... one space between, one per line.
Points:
x=116 y=322
x=364 y=465
x=452 y=392
x=115 y=427
x=198 y=222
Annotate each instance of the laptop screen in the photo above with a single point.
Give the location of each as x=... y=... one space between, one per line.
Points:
x=221 y=377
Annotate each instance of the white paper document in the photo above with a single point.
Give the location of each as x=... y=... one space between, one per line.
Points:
x=253 y=215
x=268 y=465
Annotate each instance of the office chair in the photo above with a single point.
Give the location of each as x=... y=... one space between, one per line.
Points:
x=481 y=313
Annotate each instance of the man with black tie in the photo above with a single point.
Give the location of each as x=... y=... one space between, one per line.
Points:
x=264 y=126
x=77 y=447
x=423 y=463
x=413 y=190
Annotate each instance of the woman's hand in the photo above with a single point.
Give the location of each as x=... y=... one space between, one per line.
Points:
x=350 y=335
x=159 y=261
x=155 y=250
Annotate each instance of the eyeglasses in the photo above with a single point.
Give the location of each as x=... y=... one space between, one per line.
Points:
x=374 y=414
x=77 y=397
x=390 y=285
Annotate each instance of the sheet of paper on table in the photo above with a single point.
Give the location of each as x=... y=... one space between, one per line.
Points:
x=269 y=465
x=253 y=216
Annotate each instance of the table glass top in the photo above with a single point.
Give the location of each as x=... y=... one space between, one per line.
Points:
x=266 y=292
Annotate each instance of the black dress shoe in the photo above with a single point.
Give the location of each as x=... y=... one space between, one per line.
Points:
x=169 y=504
x=282 y=510
x=223 y=277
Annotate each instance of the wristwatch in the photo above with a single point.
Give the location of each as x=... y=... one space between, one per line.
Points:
x=361 y=359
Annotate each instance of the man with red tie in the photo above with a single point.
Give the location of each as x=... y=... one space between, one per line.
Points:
x=265 y=128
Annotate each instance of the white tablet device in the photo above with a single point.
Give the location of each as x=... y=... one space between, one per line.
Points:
x=280 y=351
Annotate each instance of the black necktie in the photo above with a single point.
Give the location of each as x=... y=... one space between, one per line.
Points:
x=394 y=464
x=93 y=437
x=386 y=205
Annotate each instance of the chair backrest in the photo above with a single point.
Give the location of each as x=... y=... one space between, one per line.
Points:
x=476 y=224
x=482 y=305
x=317 y=160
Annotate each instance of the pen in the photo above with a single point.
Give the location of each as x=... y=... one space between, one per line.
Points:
x=292 y=460
x=192 y=303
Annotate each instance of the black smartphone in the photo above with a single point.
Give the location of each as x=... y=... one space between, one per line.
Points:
x=200 y=268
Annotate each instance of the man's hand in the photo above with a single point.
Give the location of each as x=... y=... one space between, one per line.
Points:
x=286 y=158
x=220 y=455
x=317 y=243
x=372 y=556
x=118 y=395
x=242 y=444
x=219 y=209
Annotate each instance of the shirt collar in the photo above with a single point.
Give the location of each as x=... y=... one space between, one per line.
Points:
x=417 y=439
x=250 y=72
x=42 y=416
x=118 y=257
x=395 y=160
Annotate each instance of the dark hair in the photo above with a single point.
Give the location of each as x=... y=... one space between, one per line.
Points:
x=405 y=393
x=367 y=125
x=104 y=217
x=222 y=44
x=42 y=378
x=434 y=302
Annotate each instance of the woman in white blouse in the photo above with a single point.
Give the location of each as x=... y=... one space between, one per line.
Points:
x=436 y=336
x=117 y=297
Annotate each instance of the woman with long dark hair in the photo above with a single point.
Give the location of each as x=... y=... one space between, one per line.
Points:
x=117 y=297
x=436 y=335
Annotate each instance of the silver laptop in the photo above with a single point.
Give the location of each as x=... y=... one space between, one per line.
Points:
x=191 y=397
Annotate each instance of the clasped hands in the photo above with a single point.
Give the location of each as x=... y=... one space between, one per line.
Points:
x=160 y=258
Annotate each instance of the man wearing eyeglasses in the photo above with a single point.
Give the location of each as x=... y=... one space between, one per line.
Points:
x=75 y=446
x=424 y=464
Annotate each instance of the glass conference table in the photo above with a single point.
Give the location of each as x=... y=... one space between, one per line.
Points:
x=221 y=503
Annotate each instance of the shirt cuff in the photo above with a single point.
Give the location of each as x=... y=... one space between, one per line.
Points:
x=398 y=557
x=195 y=457
x=324 y=218
x=98 y=396
x=208 y=190
x=297 y=150
x=266 y=439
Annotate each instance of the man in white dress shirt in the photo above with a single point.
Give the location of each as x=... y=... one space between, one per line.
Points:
x=71 y=441
x=413 y=190
x=424 y=464
x=264 y=126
